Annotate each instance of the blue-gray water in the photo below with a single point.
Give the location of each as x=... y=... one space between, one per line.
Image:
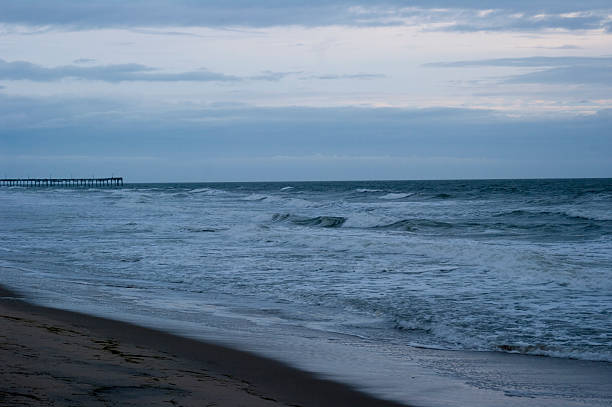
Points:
x=519 y=266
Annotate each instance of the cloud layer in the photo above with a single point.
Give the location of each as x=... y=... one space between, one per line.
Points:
x=466 y=15
x=263 y=143
x=141 y=101
x=23 y=70
x=556 y=70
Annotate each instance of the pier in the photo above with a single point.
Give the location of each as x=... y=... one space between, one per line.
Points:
x=62 y=182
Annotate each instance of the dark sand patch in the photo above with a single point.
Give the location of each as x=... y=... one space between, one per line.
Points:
x=60 y=358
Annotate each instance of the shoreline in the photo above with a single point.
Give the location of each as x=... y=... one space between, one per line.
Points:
x=51 y=356
x=62 y=357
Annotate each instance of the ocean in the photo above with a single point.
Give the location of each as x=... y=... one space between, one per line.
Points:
x=324 y=274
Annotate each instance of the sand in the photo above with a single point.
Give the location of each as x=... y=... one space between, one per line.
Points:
x=61 y=358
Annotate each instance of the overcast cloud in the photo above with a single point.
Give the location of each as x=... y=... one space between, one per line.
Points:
x=276 y=89
x=252 y=13
x=560 y=70
x=255 y=143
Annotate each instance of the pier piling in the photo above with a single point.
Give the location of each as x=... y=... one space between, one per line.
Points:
x=62 y=182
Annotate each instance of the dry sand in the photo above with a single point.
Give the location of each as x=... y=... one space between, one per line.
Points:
x=51 y=357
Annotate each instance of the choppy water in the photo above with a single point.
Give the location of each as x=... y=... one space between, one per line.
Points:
x=509 y=266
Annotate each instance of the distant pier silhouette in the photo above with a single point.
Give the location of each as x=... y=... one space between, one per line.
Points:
x=62 y=182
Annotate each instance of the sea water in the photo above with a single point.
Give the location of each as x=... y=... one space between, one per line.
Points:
x=509 y=266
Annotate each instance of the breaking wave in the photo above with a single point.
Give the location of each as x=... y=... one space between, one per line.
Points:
x=254 y=197
x=414 y=224
x=320 y=221
x=367 y=190
x=551 y=221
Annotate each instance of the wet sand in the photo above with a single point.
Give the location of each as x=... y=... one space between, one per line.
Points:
x=61 y=358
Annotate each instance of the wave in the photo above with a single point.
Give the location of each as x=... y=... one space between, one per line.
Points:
x=200 y=230
x=207 y=191
x=603 y=215
x=338 y=221
x=134 y=259
x=550 y=225
x=393 y=195
x=435 y=336
x=254 y=197
x=524 y=349
x=411 y=326
x=366 y=190
x=414 y=224
x=549 y=217
x=320 y=221
x=554 y=351
x=442 y=196
x=287 y=188
x=199 y=190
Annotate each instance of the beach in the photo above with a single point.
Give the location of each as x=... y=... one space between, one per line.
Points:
x=56 y=357
x=62 y=358
x=306 y=203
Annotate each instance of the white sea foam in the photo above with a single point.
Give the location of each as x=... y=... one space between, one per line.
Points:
x=596 y=214
x=444 y=274
x=207 y=191
x=254 y=197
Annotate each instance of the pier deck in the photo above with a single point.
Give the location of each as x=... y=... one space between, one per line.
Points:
x=62 y=182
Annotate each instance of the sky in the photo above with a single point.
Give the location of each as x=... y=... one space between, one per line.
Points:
x=280 y=90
